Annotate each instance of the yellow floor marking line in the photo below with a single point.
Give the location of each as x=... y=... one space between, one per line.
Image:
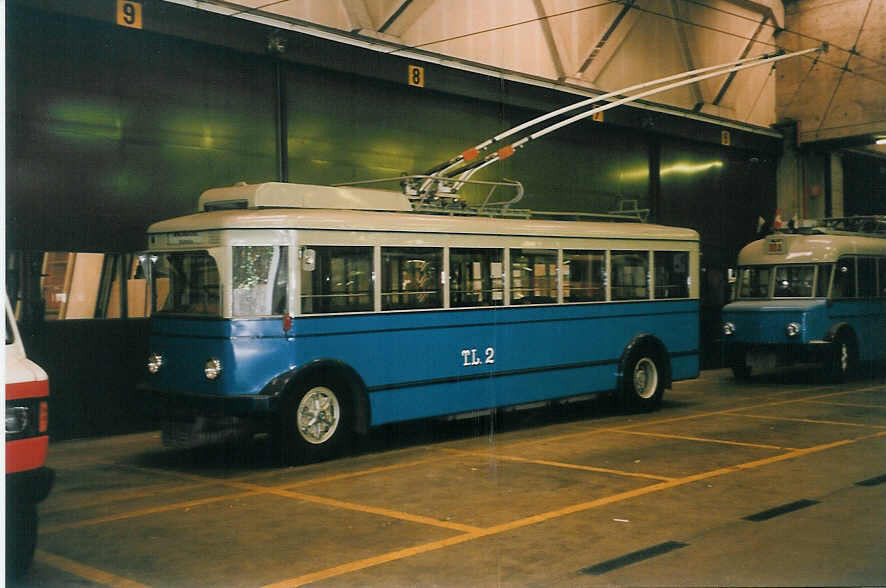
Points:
x=284 y=492
x=86 y=572
x=809 y=421
x=142 y=512
x=362 y=564
x=850 y=404
x=560 y=464
x=366 y=472
x=123 y=496
x=705 y=440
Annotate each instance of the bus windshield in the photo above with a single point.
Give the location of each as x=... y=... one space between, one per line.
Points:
x=186 y=282
x=786 y=281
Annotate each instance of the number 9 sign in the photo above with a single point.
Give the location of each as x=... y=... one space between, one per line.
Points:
x=129 y=14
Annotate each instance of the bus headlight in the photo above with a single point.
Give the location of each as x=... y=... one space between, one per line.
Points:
x=212 y=369
x=728 y=328
x=155 y=362
x=792 y=329
x=17 y=418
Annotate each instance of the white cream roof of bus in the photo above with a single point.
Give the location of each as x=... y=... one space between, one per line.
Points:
x=816 y=248
x=285 y=195
x=290 y=217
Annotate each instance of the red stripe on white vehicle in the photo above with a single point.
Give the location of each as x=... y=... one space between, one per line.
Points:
x=32 y=389
x=26 y=454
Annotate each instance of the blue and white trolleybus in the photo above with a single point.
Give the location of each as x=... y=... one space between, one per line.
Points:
x=812 y=294
x=324 y=311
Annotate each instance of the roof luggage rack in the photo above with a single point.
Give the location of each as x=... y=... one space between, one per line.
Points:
x=873 y=225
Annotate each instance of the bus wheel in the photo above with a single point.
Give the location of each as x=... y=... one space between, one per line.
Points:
x=642 y=385
x=314 y=422
x=841 y=360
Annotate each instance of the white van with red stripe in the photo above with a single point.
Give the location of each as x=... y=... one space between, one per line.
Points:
x=28 y=480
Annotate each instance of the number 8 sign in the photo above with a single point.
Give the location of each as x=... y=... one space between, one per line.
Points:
x=416 y=76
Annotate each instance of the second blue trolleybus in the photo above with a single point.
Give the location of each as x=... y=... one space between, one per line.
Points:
x=324 y=311
x=813 y=294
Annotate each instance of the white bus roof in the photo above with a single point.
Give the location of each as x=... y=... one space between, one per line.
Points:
x=357 y=220
x=782 y=248
x=285 y=195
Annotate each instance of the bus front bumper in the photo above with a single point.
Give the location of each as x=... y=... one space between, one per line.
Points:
x=175 y=404
x=770 y=355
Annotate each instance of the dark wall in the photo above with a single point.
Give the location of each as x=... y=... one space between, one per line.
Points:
x=110 y=129
x=864 y=184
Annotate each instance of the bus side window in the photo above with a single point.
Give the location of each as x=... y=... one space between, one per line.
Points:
x=671 y=274
x=584 y=276
x=338 y=280
x=410 y=278
x=844 y=279
x=533 y=276
x=475 y=277
x=630 y=275
x=867 y=277
x=824 y=280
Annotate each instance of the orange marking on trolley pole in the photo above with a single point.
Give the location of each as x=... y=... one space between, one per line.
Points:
x=505 y=152
x=470 y=154
x=86 y=572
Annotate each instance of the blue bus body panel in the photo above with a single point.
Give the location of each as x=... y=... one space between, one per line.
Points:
x=425 y=363
x=763 y=322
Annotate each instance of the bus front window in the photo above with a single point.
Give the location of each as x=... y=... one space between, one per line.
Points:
x=754 y=282
x=185 y=282
x=794 y=281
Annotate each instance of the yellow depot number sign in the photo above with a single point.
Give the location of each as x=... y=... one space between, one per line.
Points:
x=416 y=76
x=129 y=14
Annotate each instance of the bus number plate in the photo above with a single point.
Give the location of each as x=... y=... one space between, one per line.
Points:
x=472 y=357
x=775 y=246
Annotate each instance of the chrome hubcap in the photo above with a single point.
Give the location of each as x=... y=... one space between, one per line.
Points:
x=844 y=357
x=645 y=378
x=318 y=415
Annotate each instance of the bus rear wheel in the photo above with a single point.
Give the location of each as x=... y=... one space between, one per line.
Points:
x=314 y=422
x=642 y=383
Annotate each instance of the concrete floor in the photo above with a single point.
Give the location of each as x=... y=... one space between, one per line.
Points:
x=776 y=481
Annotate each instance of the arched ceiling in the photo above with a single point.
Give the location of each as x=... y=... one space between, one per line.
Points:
x=835 y=97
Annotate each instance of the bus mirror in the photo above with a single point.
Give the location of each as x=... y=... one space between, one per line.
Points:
x=308 y=260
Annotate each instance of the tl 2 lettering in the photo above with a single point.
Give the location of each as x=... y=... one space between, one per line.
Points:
x=470 y=357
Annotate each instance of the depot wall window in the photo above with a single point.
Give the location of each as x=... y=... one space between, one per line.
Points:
x=533 y=276
x=411 y=278
x=671 y=274
x=630 y=275
x=336 y=279
x=476 y=277
x=584 y=276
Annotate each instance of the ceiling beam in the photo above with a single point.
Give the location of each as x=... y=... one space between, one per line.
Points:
x=609 y=42
x=724 y=87
x=685 y=50
x=548 y=33
x=402 y=15
x=357 y=14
